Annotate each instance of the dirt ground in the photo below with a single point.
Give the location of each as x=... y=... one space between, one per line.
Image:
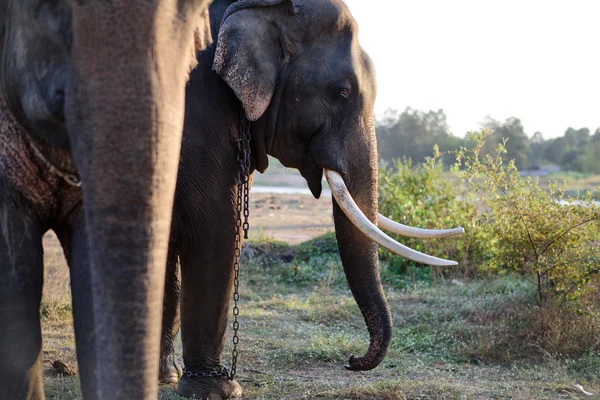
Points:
x=292 y=218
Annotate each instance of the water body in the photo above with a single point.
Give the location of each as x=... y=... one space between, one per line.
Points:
x=577 y=202
x=286 y=190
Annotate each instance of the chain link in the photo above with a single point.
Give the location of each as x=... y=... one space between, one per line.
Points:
x=222 y=372
x=242 y=209
x=246 y=136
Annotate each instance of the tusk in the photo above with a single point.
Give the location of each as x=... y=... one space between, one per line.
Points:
x=405 y=230
x=347 y=204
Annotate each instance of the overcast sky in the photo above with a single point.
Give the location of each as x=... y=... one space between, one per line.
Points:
x=537 y=60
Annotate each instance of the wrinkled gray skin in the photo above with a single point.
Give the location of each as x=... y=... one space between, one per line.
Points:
x=299 y=72
x=102 y=81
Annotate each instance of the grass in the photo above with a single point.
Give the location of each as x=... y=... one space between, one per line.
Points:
x=299 y=323
x=577 y=182
x=56 y=300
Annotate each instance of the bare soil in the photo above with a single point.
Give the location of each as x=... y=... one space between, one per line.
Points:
x=291 y=218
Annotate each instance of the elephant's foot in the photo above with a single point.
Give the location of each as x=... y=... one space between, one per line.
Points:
x=170 y=371
x=209 y=388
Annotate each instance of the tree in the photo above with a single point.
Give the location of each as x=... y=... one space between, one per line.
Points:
x=588 y=161
x=555 y=150
x=577 y=139
x=536 y=150
x=577 y=156
x=517 y=145
x=413 y=133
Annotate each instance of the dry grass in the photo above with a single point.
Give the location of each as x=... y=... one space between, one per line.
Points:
x=575 y=180
x=299 y=324
x=56 y=298
x=563 y=332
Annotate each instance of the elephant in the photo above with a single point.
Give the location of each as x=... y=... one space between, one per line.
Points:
x=95 y=92
x=294 y=69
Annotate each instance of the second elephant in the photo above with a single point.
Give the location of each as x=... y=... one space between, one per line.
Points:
x=297 y=71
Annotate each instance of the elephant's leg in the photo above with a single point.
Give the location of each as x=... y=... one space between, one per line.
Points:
x=207 y=279
x=21 y=277
x=170 y=371
x=74 y=241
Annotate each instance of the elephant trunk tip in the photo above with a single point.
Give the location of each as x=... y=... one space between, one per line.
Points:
x=380 y=329
x=367 y=362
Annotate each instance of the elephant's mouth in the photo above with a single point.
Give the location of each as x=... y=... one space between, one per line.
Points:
x=356 y=216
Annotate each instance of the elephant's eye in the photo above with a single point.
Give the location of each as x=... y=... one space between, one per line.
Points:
x=345 y=92
x=339 y=91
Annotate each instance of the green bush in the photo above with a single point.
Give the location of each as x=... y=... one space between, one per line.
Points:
x=512 y=226
x=424 y=196
x=511 y=223
x=536 y=232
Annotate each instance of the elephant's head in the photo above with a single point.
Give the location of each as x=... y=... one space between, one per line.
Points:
x=35 y=39
x=300 y=73
x=106 y=80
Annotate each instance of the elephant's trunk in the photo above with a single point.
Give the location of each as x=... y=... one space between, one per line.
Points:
x=125 y=102
x=355 y=216
x=361 y=266
x=355 y=212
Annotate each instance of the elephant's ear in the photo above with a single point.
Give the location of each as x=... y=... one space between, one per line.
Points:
x=249 y=54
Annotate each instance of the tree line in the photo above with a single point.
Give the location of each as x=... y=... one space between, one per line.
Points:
x=413 y=133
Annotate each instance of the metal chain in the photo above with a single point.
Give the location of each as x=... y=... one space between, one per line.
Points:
x=246 y=136
x=222 y=372
x=242 y=210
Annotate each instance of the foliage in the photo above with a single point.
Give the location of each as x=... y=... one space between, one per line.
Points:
x=412 y=133
x=423 y=196
x=513 y=225
x=516 y=142
x=451 y=339
x=531 y=230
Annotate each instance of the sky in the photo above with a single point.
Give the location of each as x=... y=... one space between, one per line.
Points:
x=537 y=60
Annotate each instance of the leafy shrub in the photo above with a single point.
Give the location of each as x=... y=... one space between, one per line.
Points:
x=424 y=196
x=512 y=225
x=536 y=232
